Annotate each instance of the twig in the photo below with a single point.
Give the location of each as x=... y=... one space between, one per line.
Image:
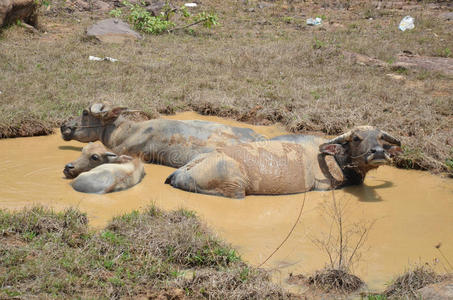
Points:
x=289 y=234
x=441 y=253
x=28 y=27
x=183 y=27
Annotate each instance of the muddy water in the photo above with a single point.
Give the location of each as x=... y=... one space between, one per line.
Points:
x=413 y=210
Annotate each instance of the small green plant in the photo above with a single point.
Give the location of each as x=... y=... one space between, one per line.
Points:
x=288 y=20
x=317 y=44
x=446 y=52
x=376 y=297
x=142 y=20
x=116 y=13
x=244 y=275
x=449 y=163
x=315 y=94
x=29 y=236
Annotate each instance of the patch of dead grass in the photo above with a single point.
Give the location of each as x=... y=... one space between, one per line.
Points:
x=408 y=283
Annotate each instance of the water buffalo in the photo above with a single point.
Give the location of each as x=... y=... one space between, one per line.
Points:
x=287 y=164
x=99 y=171
x=168 y=142
x=93 y=155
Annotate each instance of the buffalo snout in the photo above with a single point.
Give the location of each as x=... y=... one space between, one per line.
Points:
x=67 y=171
x=67 y=132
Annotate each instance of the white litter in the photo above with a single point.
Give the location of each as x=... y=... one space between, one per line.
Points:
x=191 y=4
x=406 y=23
x=314 y=22
x=1 y=92
x=95 y=58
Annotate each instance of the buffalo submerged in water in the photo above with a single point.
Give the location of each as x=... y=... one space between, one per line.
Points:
x=100 y=171
x=169 y=142
x=288 y=164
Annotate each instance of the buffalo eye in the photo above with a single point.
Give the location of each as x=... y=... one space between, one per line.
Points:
x=85 y=112
x=95 y=157
x=387 y=146
x=356 y=139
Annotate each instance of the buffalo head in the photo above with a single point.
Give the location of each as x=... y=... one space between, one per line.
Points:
x=93 y=155
x=364 y=147
x=86 y=128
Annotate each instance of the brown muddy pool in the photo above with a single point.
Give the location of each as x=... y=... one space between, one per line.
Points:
x=412 y=210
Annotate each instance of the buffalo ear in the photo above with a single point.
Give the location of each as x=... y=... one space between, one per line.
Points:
x=395 y=150
x=115 y=113
x=111 y=157
x=124 y=158
x=330 y=149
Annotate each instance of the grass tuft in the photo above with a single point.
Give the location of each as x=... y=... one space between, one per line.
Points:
x=49 y=254
x=408 y=283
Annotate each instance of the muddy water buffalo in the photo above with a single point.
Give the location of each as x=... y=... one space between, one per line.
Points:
x=93 y=155
x=287 y=164
x=168 y=142
x=100 y=171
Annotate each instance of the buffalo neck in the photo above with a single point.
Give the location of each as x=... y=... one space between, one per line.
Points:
x=352 y=174
x=114 y=134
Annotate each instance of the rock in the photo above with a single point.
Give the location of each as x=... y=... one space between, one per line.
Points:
x=102 y=6
x=405 y=61
x=439 y=64
x=396 y=76
x=112 y=31
x=448 y=16
x=438 y=291
x=13 y=10
x=155 y=8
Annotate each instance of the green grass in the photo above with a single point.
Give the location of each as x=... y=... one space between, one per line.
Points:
x=48 y=254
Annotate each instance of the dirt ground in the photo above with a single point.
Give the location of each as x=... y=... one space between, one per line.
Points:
x=261 y=65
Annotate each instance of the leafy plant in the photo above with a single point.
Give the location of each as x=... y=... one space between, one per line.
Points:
x=142 y=20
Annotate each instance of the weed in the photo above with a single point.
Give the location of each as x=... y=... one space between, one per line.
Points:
x=137 y=252
x=315 y=94
x=317 y=44
x=408 y=283
x=342 y=245
x=376 y=297
x=144 y=21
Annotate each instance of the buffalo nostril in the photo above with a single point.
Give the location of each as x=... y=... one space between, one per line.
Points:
x=69 y=166
x=377 y=150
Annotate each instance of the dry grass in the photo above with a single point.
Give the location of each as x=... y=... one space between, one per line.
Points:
x=407 y=284
x=54 y=255
x=331 y=280
x=261 y=66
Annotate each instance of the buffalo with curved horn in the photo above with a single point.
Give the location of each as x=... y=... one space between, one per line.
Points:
x=168 y=142
x=288 y=164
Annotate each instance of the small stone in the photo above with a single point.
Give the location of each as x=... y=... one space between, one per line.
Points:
x=112 y=31
x=396 y=76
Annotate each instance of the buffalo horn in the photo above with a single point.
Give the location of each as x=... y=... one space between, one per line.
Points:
x=345 y=137
x=387 y=137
